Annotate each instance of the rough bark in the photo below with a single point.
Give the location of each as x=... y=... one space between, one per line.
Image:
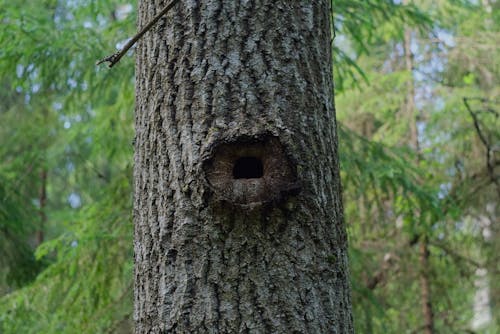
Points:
x=219 y=83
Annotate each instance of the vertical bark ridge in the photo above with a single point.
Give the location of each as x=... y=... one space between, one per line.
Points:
x=211 y=72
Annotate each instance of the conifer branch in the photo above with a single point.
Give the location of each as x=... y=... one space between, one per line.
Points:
x=115 y=57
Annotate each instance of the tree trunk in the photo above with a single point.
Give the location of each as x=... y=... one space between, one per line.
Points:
x=238 y=214
x=42 y=198
x=411 y=112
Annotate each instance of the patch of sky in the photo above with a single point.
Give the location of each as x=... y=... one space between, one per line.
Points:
x=121 y=44
x=102 y=21
x=70 y=166
x=123 y=11
x=74 y=200
x=35 y=88
x=19 y=70
x=444 y=190
x=72 y=83
x=57 y=106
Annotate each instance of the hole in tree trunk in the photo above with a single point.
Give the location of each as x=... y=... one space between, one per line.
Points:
x=248 y=168
x=251 y=171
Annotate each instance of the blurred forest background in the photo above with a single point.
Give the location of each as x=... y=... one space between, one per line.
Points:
x=417 y=98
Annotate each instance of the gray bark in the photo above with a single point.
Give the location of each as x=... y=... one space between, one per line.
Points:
x=219 y=83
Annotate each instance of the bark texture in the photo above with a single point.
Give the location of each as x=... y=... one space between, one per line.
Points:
x=220 y=83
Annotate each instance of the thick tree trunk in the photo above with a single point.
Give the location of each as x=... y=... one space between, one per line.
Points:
x=238 y=214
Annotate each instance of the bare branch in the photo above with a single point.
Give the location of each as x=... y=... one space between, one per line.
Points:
x=115 y=58
x=490 y=165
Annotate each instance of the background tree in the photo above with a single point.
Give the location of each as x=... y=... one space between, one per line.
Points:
x=375 y=111
x=73 y=120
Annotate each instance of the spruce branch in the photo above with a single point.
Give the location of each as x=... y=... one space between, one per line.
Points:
x=115 y=57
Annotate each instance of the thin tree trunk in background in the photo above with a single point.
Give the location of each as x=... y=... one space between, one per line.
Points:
x=411 y=112
x=482 y=306
x=42 y=199
x=238 y=215
x=425 y=290
x=42 y=196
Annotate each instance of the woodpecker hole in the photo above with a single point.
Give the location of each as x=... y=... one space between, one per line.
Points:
x=248 y=168
x=251 y=171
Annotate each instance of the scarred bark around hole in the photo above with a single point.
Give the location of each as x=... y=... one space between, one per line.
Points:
x=220 y=80
x=264 y=157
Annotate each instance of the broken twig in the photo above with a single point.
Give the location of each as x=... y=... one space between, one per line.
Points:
x=115 y=57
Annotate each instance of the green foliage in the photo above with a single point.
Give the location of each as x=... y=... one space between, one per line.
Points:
x=18 y=213
x=88 y=287
x=358 y=25
x=394 y=195
x=74 y=121
x=18 y=263
x=388 y=206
